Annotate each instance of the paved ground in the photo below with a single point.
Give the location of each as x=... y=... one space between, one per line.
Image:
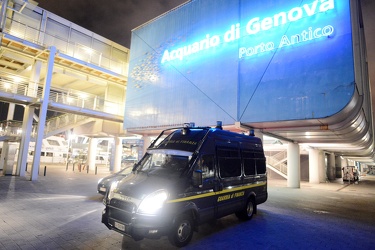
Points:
x=62 y=211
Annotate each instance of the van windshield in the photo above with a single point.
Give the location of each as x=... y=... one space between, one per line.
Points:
x=163 y=164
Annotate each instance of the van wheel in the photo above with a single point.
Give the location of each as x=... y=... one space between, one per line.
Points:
x=181 y=232
x=248 y=212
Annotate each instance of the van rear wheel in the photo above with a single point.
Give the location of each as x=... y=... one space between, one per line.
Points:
x=182 y=231
x=249 y=210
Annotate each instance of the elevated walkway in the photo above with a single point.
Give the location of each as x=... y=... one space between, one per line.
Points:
x=89 y=72
x=48 y=63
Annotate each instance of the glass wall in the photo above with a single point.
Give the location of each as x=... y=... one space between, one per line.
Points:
x=33 y=24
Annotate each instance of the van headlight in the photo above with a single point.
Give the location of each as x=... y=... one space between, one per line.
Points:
x=153 y=202
x=112 y=189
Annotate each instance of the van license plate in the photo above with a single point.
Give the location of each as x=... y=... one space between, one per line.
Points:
x=119 y=226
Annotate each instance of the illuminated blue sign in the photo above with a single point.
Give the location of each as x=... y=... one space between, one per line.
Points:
x=240 y=60
x=256 y=25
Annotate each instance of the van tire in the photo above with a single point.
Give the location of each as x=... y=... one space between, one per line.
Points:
x=182 y=231
x=249 y=210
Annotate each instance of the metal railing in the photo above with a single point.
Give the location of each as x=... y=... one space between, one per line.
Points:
x=14 y=128
x=63 y=121
x=9 y=85
x=16 y=85
x=277 y=160
x=70 y=48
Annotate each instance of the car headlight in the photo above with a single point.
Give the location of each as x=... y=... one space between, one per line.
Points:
x=153 y=202
x=112 y=189
x=100 y=180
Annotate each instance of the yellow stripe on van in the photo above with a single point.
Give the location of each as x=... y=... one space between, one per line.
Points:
x=229 y=190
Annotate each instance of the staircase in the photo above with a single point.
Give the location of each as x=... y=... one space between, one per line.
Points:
x=276 y=161
x=11 y=130
x=62 y=123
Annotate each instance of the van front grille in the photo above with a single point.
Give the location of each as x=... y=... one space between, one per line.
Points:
x=123 y=205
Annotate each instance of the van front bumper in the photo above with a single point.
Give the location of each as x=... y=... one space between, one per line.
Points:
x=137 y=226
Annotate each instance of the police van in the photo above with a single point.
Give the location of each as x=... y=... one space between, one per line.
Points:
x=188 y=176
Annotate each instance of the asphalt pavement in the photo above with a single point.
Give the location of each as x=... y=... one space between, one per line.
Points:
x=62 y=210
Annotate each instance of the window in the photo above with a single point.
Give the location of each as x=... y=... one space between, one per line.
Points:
x=53 y=142
x=248 y=162
x=163 y=164
x=249 y=166
x=260 y=161
x=206 y=164
x=229 y=162
x=261 y=166
x=56 y=28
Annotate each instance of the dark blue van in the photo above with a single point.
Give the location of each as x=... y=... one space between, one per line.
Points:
x=188 y=176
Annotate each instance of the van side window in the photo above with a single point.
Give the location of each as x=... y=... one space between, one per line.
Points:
x=248 y=162
x=260 y=161
x=261 y=166
x=229 y=162
x=206 y=164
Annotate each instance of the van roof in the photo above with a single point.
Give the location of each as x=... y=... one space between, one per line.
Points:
x=188 y=139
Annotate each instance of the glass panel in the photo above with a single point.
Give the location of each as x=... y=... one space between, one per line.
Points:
x=261 y=166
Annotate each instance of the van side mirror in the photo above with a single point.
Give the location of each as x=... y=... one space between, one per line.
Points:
x=197 y=178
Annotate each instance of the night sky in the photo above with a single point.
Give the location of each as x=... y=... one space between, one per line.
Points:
x=112 y=19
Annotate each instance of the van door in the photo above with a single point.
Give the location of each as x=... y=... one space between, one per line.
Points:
x=230 y=199
x=207 y=204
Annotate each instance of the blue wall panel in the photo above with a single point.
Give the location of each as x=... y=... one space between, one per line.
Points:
x=248 y=61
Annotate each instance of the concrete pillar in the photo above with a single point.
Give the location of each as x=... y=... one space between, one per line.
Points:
x=294 y=178
x=43 y=114
x=146 y=143
x=3 y=16
x=4 y=154
x=118 y=154
x=27 y=125
x=316 y=166
x=11 y=108
x=338 y=165
x=91 y=156
x=331 y=169
x=8 y=153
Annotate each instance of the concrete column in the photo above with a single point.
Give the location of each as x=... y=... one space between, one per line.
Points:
x=316 y=166
x=118 y=154
x=331 y=169
x=4 y=154
x=338 y=167
x=9 y=154
x=3 y=17
x=91 y=156
x=313 y=166
x=28 y=116
x=11 y=108
x=43 y=114
x=146 y=143
x=27 y=126
x=294 y=178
